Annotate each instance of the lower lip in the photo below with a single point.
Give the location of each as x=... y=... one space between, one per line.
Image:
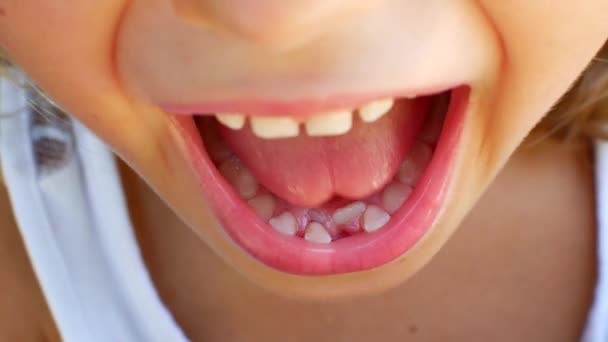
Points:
x=356 y=253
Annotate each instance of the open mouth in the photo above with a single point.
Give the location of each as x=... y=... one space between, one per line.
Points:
x=336 y=192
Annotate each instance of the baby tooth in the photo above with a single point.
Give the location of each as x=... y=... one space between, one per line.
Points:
x=415 y=163
x=394 y=196
x=263 y=205
x=284 y=224
x=374 y=218
x=274 y=127
x=234 y=121
x=349 y=213
x=335 y=123
x=375 y=110
x=315 y=232
x=239 y=177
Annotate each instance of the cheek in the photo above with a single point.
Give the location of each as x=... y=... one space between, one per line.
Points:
x=73 y=61
x=67 y=48
x=545 y=45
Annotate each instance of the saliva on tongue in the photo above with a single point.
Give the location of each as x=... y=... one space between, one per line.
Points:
x=308 y=171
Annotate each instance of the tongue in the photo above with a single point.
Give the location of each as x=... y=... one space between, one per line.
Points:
x=308 y=171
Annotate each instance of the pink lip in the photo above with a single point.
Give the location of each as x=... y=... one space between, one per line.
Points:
x=298 y=108
x=356 y=253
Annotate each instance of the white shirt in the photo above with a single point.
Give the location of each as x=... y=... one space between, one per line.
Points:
x=70 y=208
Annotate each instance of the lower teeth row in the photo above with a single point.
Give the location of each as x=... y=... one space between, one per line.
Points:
x=338 y=218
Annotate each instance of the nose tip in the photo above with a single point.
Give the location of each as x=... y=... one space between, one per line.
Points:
x=271 y=22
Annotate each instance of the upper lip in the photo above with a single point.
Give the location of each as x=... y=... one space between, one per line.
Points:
x=297 y=108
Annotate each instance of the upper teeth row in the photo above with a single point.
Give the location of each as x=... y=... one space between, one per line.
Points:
x=326 y=124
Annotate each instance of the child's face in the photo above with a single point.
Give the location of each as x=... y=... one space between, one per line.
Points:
x=115 y=63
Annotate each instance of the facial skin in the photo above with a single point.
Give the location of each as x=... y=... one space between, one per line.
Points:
x=111 y=63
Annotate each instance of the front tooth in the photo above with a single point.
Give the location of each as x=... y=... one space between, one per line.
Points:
x=315 y=232
x=334 y=123
x=232 y=120
x=374 y=218
x=375 y=110
x=274 y=127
